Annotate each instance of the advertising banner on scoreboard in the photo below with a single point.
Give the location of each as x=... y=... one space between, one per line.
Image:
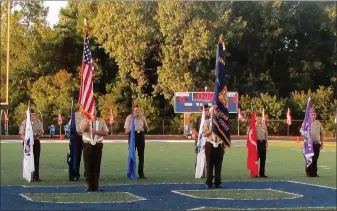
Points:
x=192 y=102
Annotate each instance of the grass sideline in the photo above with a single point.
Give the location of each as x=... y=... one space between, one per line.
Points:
x=168 y=163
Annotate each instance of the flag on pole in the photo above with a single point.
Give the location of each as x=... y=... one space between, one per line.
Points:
x=59 y=119
x=288 y=117
x=72 y=153
x=86 y=95
x=111 y=118
x=252 y=157
x=241 y=118
x=306 y=132
x=6 y=120
x=263 y=117
x=220 y=122
x=201 y=157
x=132 y=162
x=28 y=153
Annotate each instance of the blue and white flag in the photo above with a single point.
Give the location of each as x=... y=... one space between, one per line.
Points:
x=132 y=162
x=28 y=154
x=308 y=150
x=201 y=157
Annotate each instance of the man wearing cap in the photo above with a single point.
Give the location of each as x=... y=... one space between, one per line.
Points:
x=141 y=127
x=214 y=151
x=195 y=134
x=79 y=139
x=262 y=143
x=93 y=133
x=317 y=134
x=38 y=131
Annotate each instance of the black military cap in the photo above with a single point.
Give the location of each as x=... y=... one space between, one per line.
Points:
x=206 y=106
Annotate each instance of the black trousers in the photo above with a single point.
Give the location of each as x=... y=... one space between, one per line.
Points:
x=92 y=156
x=311 y=170
x=140 y=147
x=74 y=173
x=262 y=151
x=214 y=158
x=37 y=152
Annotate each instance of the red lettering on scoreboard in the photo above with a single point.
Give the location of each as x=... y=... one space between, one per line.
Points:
x=234 y=99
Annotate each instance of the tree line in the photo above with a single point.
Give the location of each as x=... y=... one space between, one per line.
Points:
x=277 y=54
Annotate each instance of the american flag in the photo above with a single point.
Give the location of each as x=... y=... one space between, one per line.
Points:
x=86 y=95
x=241 y=118
x=111 y=118
x=59 y=119
x=6 y=120
x=6 y=117
x=288 y=117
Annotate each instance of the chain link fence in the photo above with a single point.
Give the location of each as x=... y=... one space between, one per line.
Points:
x=166 y=126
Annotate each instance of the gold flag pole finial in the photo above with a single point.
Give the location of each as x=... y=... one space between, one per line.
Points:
x=85 y=28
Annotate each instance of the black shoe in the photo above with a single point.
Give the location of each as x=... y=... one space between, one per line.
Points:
x=209 y=186
x=38 y=180
x=218 y=186
x=143 y=177
x=263 y=176
x=89 y=190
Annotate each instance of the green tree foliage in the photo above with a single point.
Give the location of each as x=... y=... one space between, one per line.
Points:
x=52 y=94
x=274 y=107
x=323 y=102
x=149 y=50
x=125 y=34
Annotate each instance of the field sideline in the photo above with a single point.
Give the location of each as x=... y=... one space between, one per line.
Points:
x=173 y=163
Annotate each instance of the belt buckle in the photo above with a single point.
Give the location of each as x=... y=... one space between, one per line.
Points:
x=138 y=131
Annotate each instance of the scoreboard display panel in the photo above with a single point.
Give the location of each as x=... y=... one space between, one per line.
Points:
x=192 y=102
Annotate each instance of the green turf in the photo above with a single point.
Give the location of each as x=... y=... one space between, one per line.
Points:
x=239 y=194
x=167 y=163
x=109 y=197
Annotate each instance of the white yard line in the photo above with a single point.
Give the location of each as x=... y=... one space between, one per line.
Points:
x=294 y=195
x=25 y=197
x=138 y=198
x=303 y=183
x=290 y=208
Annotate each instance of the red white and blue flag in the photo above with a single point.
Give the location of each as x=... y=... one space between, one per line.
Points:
x=86 y=95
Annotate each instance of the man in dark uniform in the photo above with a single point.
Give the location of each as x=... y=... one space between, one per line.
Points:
x=75 y=175
x=140 y=128
x=262 y=143
x=214 y=150
x=38 y=131
x=93 y=133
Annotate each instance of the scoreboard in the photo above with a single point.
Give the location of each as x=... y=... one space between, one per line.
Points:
x=192 y=102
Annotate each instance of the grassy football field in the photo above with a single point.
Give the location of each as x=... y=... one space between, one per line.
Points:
x=170 y=163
